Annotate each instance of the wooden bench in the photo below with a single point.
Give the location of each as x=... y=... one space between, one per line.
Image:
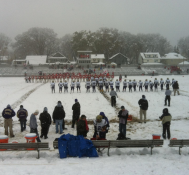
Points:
x=24 y=146
x=122 y=144
x=179 y=143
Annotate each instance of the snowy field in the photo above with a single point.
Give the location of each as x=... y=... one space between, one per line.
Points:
x=15 y=91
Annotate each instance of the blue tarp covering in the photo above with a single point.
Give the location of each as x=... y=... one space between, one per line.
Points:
x=74 y=146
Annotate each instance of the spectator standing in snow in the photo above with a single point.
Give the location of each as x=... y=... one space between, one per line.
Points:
x=82 y=126
x=166 y=121
x=33 y=125
x=76 y=112
x=123 y=116
x=113 y=95
x=58 y=116
x=45 y=119
x=143 y=103
x=22 y=115
x=176 y=88
x=107 y=123
x=167 y=96
x=7 y=114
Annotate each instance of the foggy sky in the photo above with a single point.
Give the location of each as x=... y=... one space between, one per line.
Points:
x=166 y=17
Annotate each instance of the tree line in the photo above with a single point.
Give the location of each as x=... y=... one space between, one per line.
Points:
x=107 y=41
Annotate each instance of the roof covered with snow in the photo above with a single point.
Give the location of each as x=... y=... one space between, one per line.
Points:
x=36 y=59
x=116 y=55
x=5 y=58
x=150 y=55
x=173 y=56
x=185 y=62
x=57 y=55
x=97 y=56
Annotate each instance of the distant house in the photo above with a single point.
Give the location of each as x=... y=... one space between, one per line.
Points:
x=172 y=59
x=84 y=58
x=4 y=59
x=19 y=62
x=119 y=59
x=149 y=57
x=36 y=60
x=57 y=58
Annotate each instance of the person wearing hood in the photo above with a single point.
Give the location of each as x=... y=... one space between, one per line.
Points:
x=107 y=122
x=7 y=114
x=22 y=115
x=33 y=124
x=166 y=122
x=76 y=112
x=58 y=116
x=143 y=103
x=45 y=119
x=82 y=126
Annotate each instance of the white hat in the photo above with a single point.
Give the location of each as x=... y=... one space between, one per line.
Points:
x=36 y=111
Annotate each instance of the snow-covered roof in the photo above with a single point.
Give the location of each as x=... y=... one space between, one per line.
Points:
x=99 y=63
x=4 y=58
x=18 y=60
x=97 y=56
x=36 y=59
x=116 y=55
x=85 y=51
x=150 y=55
x=57 y=55
x=173 y=56
x=113 y=63
x=185 y=62
x=151 y=63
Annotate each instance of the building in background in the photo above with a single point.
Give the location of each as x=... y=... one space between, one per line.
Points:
x=84 y=58
x=172 y=59
x=119 y=59
x=151 y=57
x=57 y=58
x=4 y=59
x=36 y=60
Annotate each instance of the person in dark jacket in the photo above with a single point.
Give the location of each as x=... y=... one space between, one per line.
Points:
x=123 y=116
x=113 y=95
x=176 y=88
x=22 y=115
x=76 y=112
x=7 y=114
x=167 y=96
x=58 y=116
x=82 y=126
x=143 y=103
x=45 y=119
x=166 y=121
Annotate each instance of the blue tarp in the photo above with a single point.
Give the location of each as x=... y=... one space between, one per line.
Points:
x=75 y=146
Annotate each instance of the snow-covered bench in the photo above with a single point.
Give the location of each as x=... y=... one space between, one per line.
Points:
x=122 y=144
x=179 y=143
x=24 y=147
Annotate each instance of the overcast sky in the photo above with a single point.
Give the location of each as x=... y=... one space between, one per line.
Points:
x=167 y=17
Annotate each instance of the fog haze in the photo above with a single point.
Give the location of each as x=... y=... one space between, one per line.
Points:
x=166 y=17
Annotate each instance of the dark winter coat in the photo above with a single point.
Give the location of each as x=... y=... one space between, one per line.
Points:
x=123 y=117
x=143 y=103
x=76 y=110
x=58 y=113
x=8 y=113
x=176 y=85
x=166 y=117
x=22 y=114
x=45 y=119
x=81 y=128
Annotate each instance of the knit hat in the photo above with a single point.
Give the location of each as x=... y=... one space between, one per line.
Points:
x=76 y=100
x=59 y=102
x=21 y=106
x=45 y=109
x=36 y=111
x=165 y=111
x=102 y=114
x=122 y=107
x=99 y=118
x=143 y=96
x=8 y=106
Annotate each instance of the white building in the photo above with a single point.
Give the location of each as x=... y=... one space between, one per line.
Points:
x=149 y=57
x=57 y=57
x=172 y=59
x=36 y=60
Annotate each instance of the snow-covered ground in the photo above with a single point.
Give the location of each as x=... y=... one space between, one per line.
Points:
x=15 y=91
